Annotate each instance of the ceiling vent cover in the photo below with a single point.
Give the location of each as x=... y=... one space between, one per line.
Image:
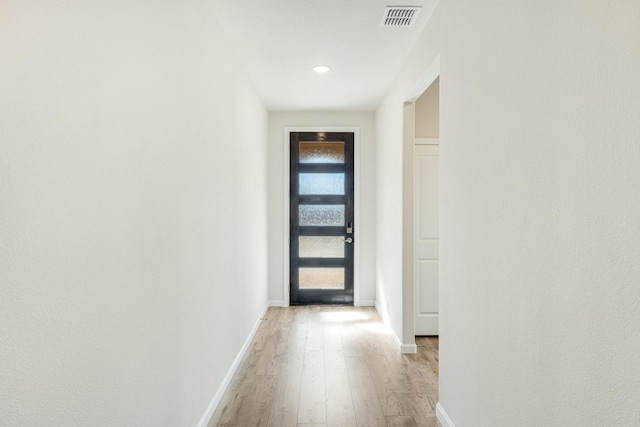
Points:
x=400 y=16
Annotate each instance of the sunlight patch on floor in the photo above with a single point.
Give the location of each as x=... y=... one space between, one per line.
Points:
x=343 y=316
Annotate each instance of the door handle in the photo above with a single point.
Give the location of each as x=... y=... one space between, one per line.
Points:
x=348 y=240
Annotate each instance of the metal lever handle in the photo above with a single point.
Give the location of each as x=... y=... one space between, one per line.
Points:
x=349 y=240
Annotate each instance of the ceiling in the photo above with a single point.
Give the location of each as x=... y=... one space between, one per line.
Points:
x=280 y=41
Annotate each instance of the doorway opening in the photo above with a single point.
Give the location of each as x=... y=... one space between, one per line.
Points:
x=426 y=236
x=409 y=226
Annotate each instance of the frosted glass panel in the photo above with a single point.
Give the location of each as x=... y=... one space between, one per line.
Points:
x=321 y=278
x=321 y=247
x=322 y=183
x=322 y=152
x=321 y=215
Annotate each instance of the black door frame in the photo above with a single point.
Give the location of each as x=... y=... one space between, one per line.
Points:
x=319 y=296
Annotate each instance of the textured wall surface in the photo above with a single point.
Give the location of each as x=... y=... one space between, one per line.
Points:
x=540 y=209
x=365 y=121
x=132 y=198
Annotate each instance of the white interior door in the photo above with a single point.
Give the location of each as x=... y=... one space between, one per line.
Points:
x=426 y=238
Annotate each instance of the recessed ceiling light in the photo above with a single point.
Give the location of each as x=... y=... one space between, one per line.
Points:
x=321 y=69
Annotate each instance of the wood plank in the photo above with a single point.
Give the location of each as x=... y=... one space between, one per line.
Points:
x=411 y=421
x=250 y=405
x=366 y=404
x=284 y=408
x=294 y=350
x=333 y=351
x=408 y=404
x=313 y=405
x=340 y=410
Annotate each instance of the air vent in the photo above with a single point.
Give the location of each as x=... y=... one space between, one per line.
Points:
x=400 y=16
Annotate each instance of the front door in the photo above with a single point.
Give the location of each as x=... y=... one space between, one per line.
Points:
x=321 y=228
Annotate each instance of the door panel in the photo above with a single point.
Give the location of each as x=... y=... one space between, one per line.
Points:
x=321 y=212
x=428 y=295
x=427 y=238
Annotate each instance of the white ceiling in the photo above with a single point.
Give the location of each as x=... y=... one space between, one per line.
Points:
x=279 y=41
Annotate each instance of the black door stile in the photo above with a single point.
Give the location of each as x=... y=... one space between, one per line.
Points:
x=324 y=265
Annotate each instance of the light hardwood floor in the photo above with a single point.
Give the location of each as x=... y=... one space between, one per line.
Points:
x=328 y=366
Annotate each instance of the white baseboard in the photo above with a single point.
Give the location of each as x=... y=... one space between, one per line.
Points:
x=382 y=313
x=408 y=349
x=442 y=416
x=366 y=303
x=404 y=348
x=277 y=303
x=385 y=318
x=215 y=401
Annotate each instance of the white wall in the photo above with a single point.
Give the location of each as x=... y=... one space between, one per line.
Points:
x=428 y=112
x=389 y=177
x=132 y=198
x=540 y=206
x=366 y=241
